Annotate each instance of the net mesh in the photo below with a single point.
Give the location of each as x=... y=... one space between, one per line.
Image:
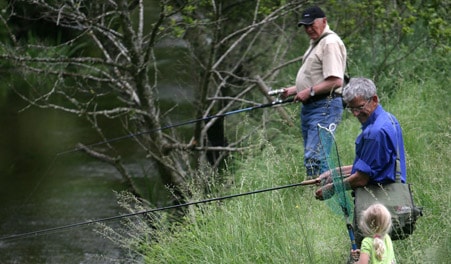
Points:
x=338 y=199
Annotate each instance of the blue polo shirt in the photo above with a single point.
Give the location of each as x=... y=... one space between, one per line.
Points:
x=376 y=148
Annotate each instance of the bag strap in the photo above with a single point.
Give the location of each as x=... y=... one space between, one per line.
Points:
x=398 y=160
x=314 y=45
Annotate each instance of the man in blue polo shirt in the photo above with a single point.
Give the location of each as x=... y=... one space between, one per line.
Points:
x=376 y=148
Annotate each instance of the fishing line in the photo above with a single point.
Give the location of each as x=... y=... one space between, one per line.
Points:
x=80 y=224
x=51 y=230
x=274 y=103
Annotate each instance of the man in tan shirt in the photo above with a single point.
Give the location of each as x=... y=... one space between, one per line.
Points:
x=318 y=86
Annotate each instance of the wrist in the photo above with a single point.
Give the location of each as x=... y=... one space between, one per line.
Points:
x=312 y=91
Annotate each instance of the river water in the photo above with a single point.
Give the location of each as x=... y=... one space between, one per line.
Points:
x=40 y=190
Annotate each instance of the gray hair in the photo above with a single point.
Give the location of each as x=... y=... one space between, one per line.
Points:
x=362 y=87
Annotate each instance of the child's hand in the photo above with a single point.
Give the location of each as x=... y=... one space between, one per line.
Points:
x=355 y=253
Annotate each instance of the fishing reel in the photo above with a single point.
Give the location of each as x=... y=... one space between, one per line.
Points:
x=275 y=92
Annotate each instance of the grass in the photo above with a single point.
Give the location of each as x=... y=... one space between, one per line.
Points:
x=289 y=225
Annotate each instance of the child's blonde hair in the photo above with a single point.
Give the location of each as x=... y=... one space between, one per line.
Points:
x=376 y=222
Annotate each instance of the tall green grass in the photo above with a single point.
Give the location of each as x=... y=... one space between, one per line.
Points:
x=289 y=225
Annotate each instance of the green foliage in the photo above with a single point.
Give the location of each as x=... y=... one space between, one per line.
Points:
x=379 y=34
x=262 y=228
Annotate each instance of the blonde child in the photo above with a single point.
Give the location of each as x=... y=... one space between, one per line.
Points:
x=377 y=246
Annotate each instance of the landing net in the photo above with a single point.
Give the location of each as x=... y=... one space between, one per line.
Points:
x=338 y=199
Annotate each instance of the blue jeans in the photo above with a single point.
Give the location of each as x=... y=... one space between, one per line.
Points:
x=323 y=112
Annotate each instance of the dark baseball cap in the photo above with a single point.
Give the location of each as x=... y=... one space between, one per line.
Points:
x=310 y=14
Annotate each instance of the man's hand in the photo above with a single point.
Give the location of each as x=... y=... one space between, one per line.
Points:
x=325 y=192
x=324 y=178
x=302 y=96
x=288 y=92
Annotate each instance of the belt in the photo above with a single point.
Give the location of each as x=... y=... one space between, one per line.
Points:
x=322 y=97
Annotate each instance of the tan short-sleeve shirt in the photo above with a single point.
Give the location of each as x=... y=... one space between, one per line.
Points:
x=328 y=58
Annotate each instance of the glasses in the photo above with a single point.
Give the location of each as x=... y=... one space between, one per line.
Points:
x=359 y=108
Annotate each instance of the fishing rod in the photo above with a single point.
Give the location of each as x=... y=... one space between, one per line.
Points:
x=60 y=228
x=271 y=104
